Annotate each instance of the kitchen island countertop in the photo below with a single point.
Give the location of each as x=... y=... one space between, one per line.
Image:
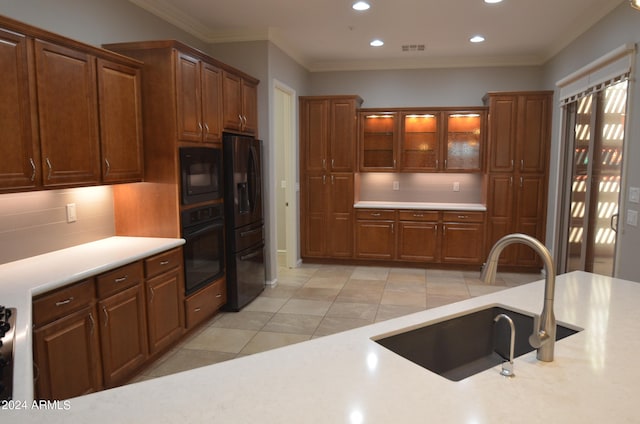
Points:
x=348 y=378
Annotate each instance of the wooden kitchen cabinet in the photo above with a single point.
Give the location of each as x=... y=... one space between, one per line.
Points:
x=240 y=110
x=420 y=145
x=120 y=109
x=68 y=115
x=328 y=133
x=204 y=303
x=419 y=236
x=378 y=140
x=198 y=99
x=519 y=139
x=20 y=164
x=463 y=237
x=123 y=323
x=463 y=146
x=375 y=234
x=165 y=306
x=66 y=350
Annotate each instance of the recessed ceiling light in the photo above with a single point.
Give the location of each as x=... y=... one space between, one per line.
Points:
x=493 y=1
x=376 y=43
x=361 y=5
x=477 y=39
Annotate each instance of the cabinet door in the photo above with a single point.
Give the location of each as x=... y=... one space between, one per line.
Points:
x=211 y=103
x=123 y=334
x=420 y=148
x=249 y=107
x=314 y=134
x=340 y=222
x=120 y=122
x=463 y=141
x=232 y=98
x=418 y=241
x=67 y=356
x=314 y=216
x=375 y=239
x=19 y=147
x=462 y=242
x=164 y=309
x=533 y=133
x=378 y=141
x=67 y=111
x=502 y=133
x=188 y=98
x=530 y=213
x=342 y=136
x=500 y=211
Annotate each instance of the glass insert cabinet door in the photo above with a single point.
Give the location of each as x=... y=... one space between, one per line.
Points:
x=463 y=141
x=420 y=141
x=378 y=140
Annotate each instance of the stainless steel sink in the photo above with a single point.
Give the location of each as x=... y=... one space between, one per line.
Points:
x=461 y=346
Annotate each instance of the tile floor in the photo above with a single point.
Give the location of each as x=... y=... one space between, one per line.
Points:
x=317 y=300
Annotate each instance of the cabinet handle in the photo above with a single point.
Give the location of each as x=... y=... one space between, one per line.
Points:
x=463 y=216
x=437 y=162
x=375 y=213
x=511 y=163
x=93 y=323
x=50 y=168
x=520 y=182
x=444 y=229
x=324 y=164
x=445 y=164
x=510 y=181
x=197 y=310
x=64 y=302
x=324 y=179
x=240 y=119
x=33 y=169
x=332 y=162
x=219 y=295
x=106 y=315
x=164 y=263
x=106 y=161
x=121 y=279
x=200 y=127
x=206 y=129
x=418 y=215
x=153 y=294
x=332 y=180
x=394 y=163
x=392 y=228
x=521 y=164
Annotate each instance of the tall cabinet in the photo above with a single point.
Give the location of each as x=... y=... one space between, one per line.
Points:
x=328 y=150
x=517 y=167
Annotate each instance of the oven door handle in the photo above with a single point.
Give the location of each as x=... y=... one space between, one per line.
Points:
x=200 y=231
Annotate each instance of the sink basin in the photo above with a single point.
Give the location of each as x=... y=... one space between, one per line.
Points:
x=461 y=346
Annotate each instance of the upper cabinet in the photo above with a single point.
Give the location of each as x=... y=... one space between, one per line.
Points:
x=240 y=103
x=71 y=112
x=198 y=99
x=422 y=140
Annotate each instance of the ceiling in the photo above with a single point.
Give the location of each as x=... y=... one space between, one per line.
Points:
x=325 y=35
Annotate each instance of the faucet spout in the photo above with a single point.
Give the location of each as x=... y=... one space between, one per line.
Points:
x=544 y=329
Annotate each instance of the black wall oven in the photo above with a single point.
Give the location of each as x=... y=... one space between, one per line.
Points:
x=200 y=174
x=203 y=230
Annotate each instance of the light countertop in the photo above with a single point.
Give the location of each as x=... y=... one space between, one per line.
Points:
x=370 y=204
x=348 y=378
x=21 y=280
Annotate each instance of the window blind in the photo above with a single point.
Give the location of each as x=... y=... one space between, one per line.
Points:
x=607 y=70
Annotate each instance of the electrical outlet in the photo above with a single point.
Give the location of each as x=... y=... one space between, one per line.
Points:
x=396 y=185
x=71 y=213
x=456 y=186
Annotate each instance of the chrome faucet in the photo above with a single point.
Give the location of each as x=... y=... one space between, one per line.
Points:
x=544 y=325
x=507 y=367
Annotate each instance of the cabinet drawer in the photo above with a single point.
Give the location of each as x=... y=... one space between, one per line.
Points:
x=113 y=281
x=463 y=216
x=418 y=215
x=163 y=262
x=51 y=306
x=375 y=214
x=205 y=303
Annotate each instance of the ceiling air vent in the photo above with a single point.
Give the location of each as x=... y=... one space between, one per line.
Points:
x=413 y=47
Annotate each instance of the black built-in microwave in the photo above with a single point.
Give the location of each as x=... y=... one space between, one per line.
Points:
x=200 y=174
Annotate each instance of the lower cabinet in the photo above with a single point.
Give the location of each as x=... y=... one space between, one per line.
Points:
x=98 y=333
x=420 y=236
x=66 y=351
x=202 y=304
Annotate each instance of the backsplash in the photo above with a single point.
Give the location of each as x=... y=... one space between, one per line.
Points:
x=35 y=222
x=420 y=187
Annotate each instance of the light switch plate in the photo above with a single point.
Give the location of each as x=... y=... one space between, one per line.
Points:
x=632 y=217
x=396 y=185
x=456 y=186
x=634 y=194
x=71 y=213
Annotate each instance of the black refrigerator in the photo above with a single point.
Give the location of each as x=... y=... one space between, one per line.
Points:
x=244 y=229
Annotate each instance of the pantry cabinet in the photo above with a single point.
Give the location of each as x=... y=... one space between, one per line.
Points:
x=328 y=136
x=519 y=139
x=70 y=111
